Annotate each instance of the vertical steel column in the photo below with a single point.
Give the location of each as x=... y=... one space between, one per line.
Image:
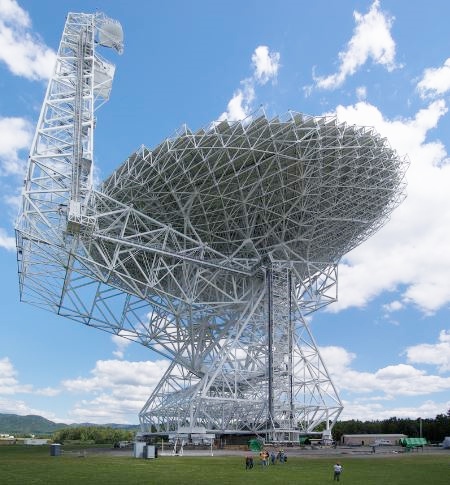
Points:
x=269 y=282
x=291 y=330
x=78 y=116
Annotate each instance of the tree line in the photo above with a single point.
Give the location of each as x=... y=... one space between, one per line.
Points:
x=434 y=430
x=93 y=434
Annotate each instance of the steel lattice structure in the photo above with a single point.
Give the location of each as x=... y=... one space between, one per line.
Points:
x=210 y=249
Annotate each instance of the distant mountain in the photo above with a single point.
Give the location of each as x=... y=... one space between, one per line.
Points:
x=31 y=424
x=108 y=425
x=37 y=425
x=121 y=426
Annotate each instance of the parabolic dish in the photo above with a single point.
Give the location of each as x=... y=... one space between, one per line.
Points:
x=304 y=188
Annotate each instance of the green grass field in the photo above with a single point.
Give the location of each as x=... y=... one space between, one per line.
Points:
x=34 y=465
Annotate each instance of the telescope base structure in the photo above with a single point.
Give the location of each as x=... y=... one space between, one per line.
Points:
x=267 y=377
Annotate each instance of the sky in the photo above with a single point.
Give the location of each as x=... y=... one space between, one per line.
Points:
x=383 y=64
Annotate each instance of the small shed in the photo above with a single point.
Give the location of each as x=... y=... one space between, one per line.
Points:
x=411 y=443
x=35 y=441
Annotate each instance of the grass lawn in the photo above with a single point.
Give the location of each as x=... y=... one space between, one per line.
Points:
x=34 y=465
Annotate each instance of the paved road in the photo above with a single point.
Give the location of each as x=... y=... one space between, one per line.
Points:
x=340 y=451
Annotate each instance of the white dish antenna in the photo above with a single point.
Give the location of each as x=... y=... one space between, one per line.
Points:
x=110 y=34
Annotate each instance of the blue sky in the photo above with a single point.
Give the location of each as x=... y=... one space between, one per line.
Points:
x=382 y=63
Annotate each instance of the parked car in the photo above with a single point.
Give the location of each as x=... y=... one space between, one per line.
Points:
x=123 y=444
x=382 y=442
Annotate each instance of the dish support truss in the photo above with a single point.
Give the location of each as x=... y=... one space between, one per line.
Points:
x=263 y=374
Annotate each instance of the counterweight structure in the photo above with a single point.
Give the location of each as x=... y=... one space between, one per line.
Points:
x=210 y=249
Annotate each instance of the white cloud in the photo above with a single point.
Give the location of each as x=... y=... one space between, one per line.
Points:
x=10 y=11
x=371 y=40
x=9 y=384
x=240 y=105
x=17 y=134
x=8 y=381
x=22 y=408
x=7 y=242
x=118 y=389
x=435 y=81
x=115 y=392
x=399 y=254
x=117 y=375
x=385 y=384
x=22 y=51
x=13 y=200
x=433 y=354
x=337 y=359
x=121 y=341
x=393 y=306
x=106 y=408
x=47 y=391
x=361 y=93
x=367 y=410
x=266 y=65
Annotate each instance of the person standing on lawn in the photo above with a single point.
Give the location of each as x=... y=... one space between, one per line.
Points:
x=337 y=472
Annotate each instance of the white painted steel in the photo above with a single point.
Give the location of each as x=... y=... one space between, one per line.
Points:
x=209 y=249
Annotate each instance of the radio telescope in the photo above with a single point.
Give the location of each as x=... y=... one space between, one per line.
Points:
x=210 y=249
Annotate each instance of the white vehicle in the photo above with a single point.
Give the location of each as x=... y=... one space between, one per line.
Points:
x=382 y=442
x=123 y=444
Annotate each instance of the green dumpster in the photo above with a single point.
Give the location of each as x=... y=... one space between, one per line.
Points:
x=255 y=445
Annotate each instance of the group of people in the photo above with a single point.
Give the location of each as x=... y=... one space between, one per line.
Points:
x=266 y=458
